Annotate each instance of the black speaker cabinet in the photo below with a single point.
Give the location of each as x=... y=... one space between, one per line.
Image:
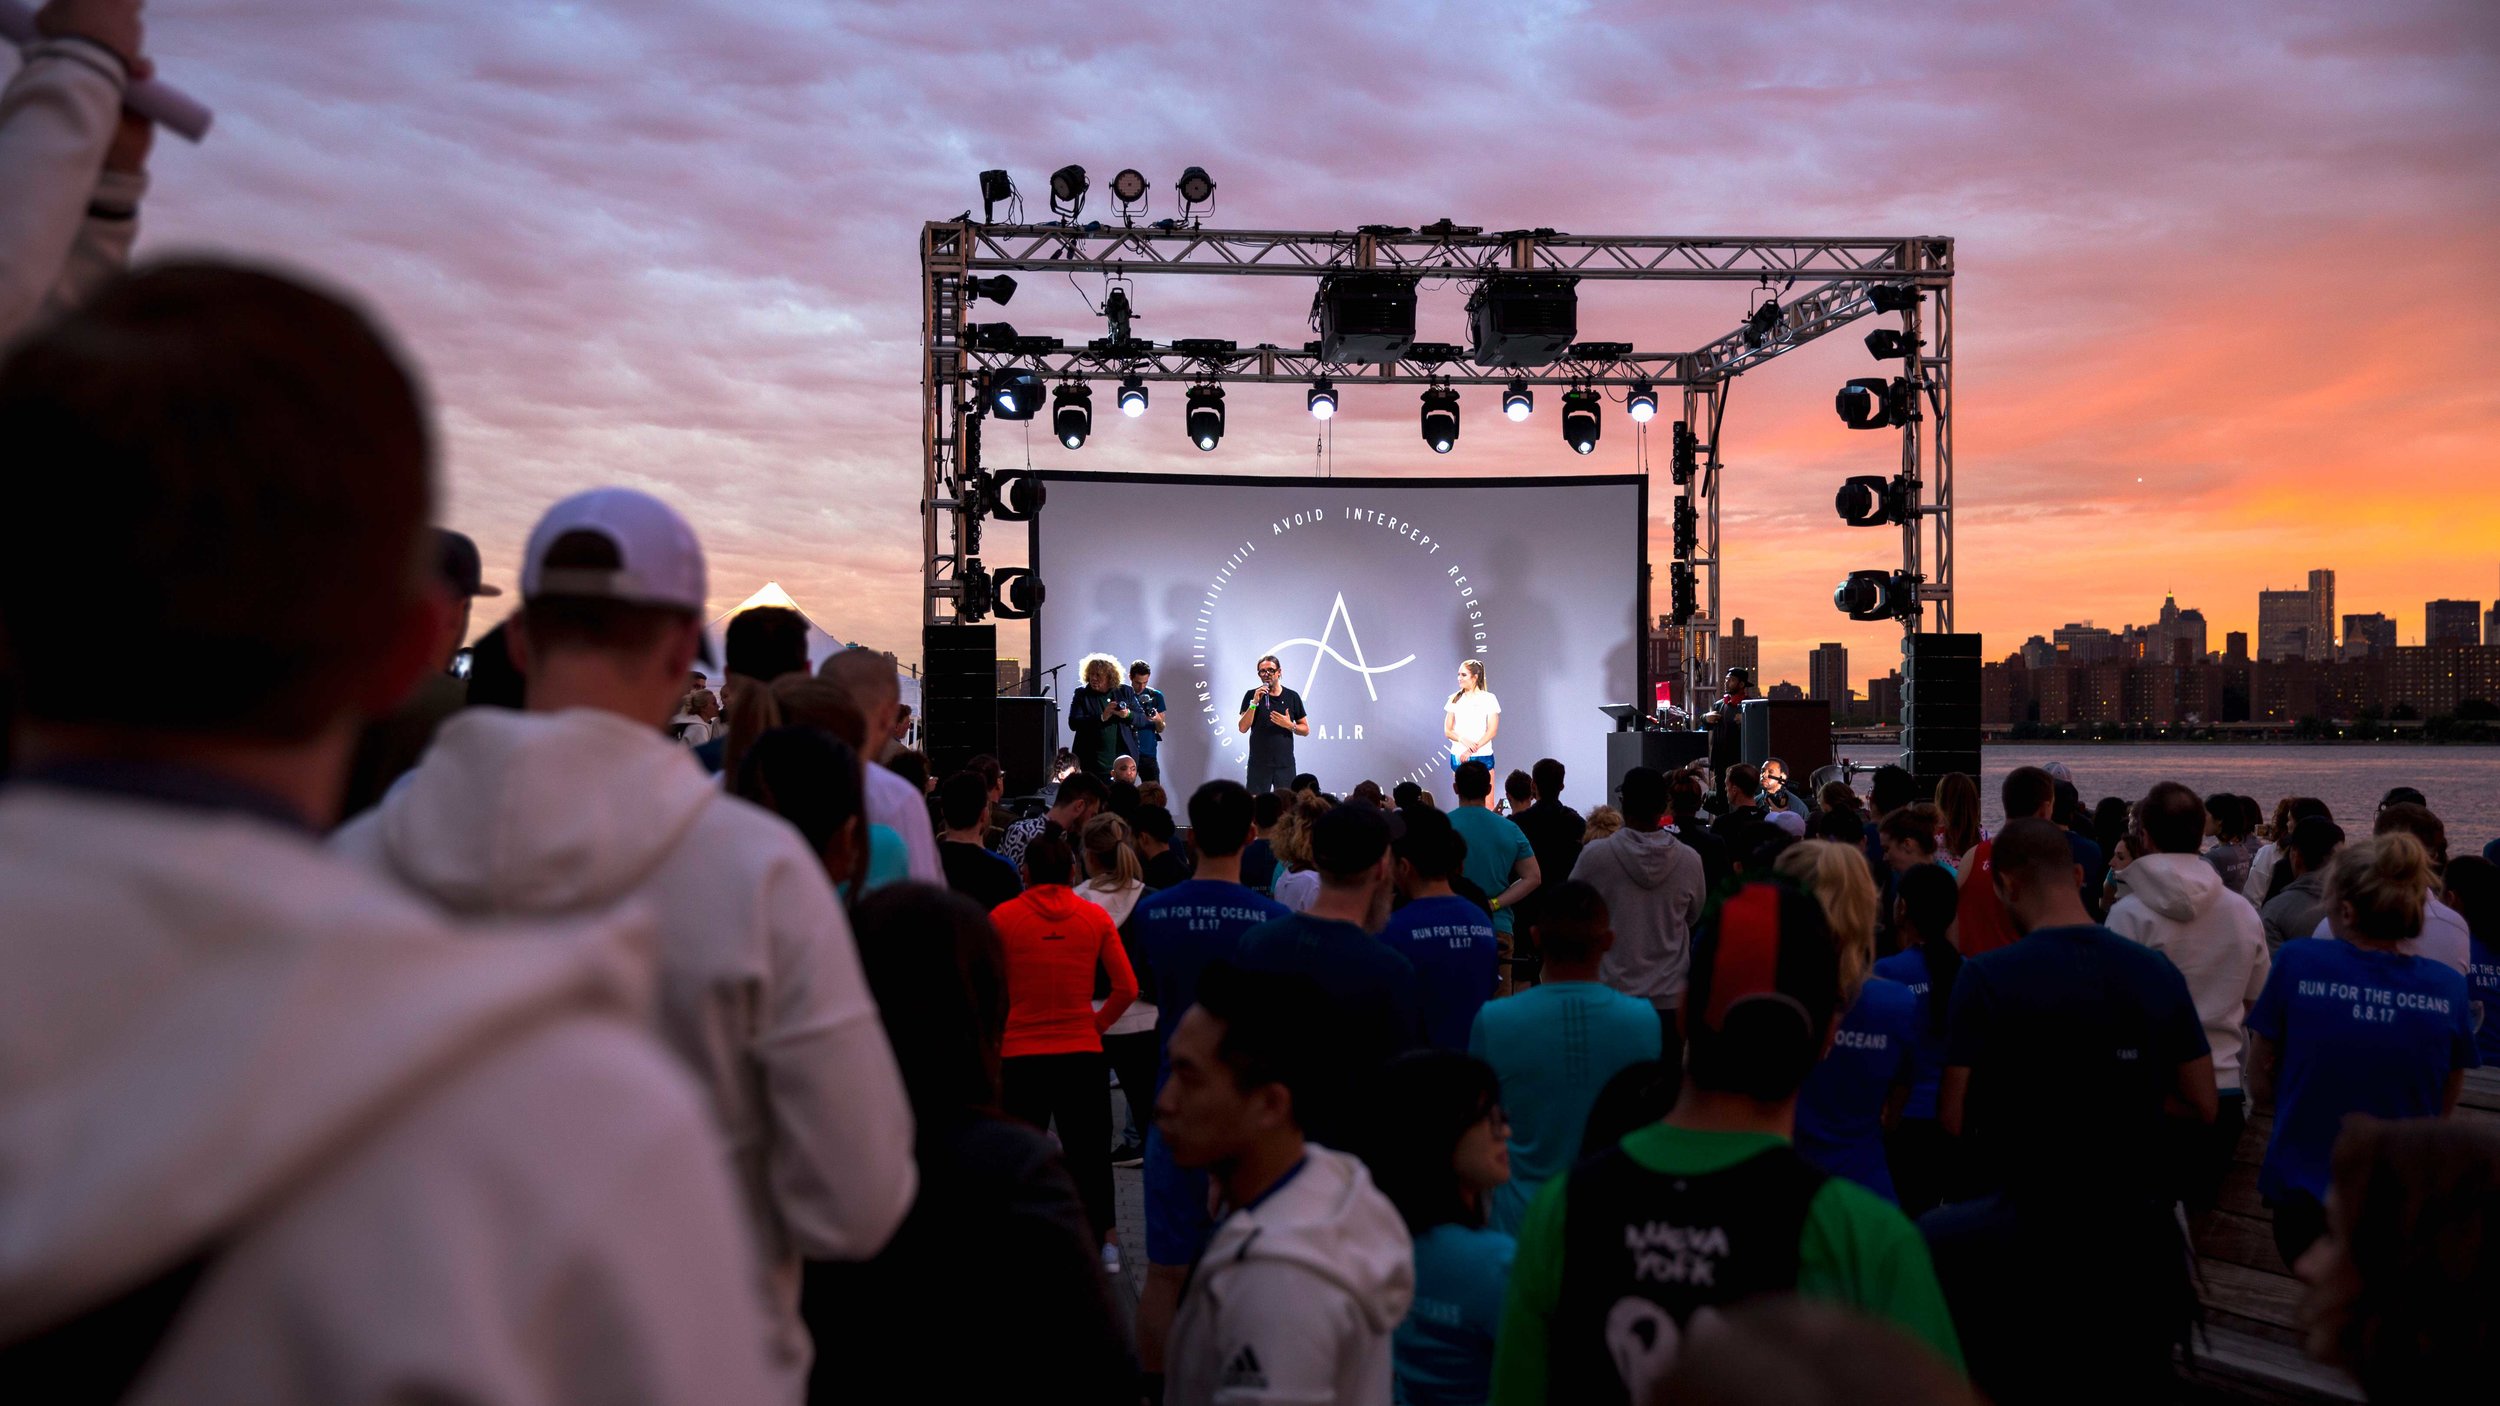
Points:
x=1659 y=751
x=1940 y=707
x=1798 y=731
x=958 y=688
x=1028 y=736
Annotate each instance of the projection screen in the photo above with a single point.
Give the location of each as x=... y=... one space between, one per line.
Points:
x=1370 y=592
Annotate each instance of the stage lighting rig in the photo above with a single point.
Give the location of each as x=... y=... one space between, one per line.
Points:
x=1685 y=586
x=1015 y=394
x=1893 y=297
x=1196 y=188
x=1685 y=461
x=1892 y=344
x=1687 y=528
x=1364 y=319
x=990 y=336
x=1580 y=423
x=1013 y=496
x=972 y=590
x=1440 y=419
x=1518 y=402
x=1523 y=319
x=1763 y=324
x=996 y=190
x=1129 y=189
x=998 y=289
x=1877 y=595
x=1642 y=403
x=1322 y=400
x=1072 y=413
x=1872 y=403
x=1870 y=500
x=1133 y=397
x=1119 y=312
x=1015 y=593
x=1067 y=192
x=1206 y=417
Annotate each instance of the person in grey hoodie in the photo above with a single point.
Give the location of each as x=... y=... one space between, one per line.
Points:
x=2301 y=906
x=2178 y=906
x=1311 y=1269
x=1653 y=886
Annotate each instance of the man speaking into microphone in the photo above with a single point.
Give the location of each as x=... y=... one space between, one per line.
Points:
x=1272 y=715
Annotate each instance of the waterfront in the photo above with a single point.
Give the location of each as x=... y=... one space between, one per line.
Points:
x=2462 y=782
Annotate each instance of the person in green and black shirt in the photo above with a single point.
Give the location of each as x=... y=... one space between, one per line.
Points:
x=1619 y=1260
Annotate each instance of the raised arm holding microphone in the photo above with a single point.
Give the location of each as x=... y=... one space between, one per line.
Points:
x=1272 y=714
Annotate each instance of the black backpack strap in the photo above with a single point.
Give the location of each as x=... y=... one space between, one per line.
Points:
x=96 y=1357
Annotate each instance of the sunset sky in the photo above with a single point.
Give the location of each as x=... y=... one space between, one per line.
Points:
x=2225 y=309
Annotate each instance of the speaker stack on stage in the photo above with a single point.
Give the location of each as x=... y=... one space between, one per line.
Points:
x=958 y=694
x=1798 y=731
x=1028 y=737
x=1939 y=707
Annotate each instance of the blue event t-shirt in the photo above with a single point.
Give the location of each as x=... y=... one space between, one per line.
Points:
x=1494 y=848
x=1373 y=987
x=1554 y=1046
x=1185 y=928
x=1452 y=946
x=2359 y=1031
x=1926 y=1041
x=2482 y=982
x=1840 y=1111
x=1442 y=1352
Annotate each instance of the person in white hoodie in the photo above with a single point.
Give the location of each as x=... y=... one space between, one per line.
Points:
x=583 y=804
x=1311 y=1269
x=276 y=1133
x=72 y=161
x=1653 y=886
x=2179 y=906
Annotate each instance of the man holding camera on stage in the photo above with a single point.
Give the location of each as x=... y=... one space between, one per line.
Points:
x=1272 y=714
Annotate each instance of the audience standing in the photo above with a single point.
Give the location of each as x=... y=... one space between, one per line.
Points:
x=1448 y=939
x=1498 y=858
x=1981 y=924
x=2441 y=935
x=1437 y=1150
x=1652 y=884
x=1080 y=798
x=971 y=870
x=1553 y=830
x=2472 y=887
x=894 y=801
x=1858 y=1088
x=2300 y=904
x=1917 y=1147
x=1113 y=883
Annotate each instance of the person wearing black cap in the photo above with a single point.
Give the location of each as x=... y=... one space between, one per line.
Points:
x=1712 y=1206
x=390 y=746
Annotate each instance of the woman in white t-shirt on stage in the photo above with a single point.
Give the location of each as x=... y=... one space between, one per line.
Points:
x=1473 y=717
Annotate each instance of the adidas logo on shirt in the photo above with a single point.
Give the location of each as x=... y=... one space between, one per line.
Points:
x=1244 y=1370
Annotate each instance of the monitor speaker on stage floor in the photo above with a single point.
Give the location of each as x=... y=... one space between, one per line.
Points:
x=1940 y=707
x=1028 y=737
x=958 y=694
x=1798 y=731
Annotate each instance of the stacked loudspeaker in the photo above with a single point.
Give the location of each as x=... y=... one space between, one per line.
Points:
x=958 y=694
x=1939 y=707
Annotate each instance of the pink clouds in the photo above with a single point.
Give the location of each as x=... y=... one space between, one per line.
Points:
x=2225 y=248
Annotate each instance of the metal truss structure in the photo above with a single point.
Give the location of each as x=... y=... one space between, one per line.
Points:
x=1823 y=284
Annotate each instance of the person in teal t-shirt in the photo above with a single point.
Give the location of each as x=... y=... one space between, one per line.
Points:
x=1556 y=1044
x=1500 y=860
x=1436 y=1150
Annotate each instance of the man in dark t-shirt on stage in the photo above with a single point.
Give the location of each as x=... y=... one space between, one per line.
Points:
x=1272 y=715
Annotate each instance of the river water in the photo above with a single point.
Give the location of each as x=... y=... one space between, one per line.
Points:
x=2462 y=783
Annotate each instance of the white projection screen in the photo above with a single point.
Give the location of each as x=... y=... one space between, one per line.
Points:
x=1371 y=592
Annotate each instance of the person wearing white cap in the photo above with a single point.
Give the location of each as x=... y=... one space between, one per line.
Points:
x=583 y=803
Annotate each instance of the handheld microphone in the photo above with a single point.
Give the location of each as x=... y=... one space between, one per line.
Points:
x=161 y=103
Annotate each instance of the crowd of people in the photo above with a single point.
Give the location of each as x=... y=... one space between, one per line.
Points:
x=568 y=1029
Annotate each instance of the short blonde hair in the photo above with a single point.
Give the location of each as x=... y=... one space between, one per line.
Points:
x=1837 y=876
x=2387 y=880
x=1603 y=821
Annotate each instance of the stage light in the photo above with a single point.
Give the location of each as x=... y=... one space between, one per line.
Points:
x=1877 y=595
x=1206 y=416
x=1764 y=324
x=1686 y=586
x=1890 y=344
x=1364 y=318
x=1892 y=297
x=1580 y=419
x=1072 y=413
x=1518 y=402
x=1440 y=419
x=1687 y=528
x=1873 y=403
x=1133 y=397
x=1196 y=187
x=972 y=590
x=1015 y=394
x=1322 y=400
x=999 y=289
x=1870 y=500
x=1117 y=312
x=1013 y=496
x=1518 y=319
x=990 y=336
x=1686 y=460
x=1128 y=188
x=1015 y=593
x=1642 y=404
x=995 y=190
x=1067 y=192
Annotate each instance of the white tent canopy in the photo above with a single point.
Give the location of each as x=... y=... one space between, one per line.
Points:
x=822 y=644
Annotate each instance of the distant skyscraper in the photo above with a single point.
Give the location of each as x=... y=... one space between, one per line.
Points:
x=2321 y=614
x=2365 y=635
x=1742 y=651
x=1827 y=674
x=2038 y=653
x=2191 y=631
x=2085 y=643
x=2283 y=622
x=2235 y=646
x=2491 y=624
x=2452 y=622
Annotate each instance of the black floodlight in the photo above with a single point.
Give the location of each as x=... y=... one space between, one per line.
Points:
x=1322 y=400
x=990 y=336
x=1687 y=528
x=1518 y=402
x=1580 y=419
x=1686 y=585
x=998 y=289
x=1891 y=344
x=1686 y=460
x=996 y=190
x=1206 y=416
x=1015 y=496
x=1133 y=397
x=1873 y=403
x=1117 y=311
x=1196 y=188
x=1764 y=324
x=1067 y=192
x=1642 y=403
x=1870 y=500
x=1364 y=319
x=1072 y=413
x=1892 y=297
x=1129 y=188
x=1015 y=593
x=972 y=590
x=1877 y=595
x=1440 y=419
x=1523 y=319
x=1015 y=394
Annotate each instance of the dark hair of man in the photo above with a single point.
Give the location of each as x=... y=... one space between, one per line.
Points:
x=2402 y=796
x=1640 y=1093
x=1307 y=781
x=493 y=682
x=821 y=704
x=1757 y=844
x=1346 y=841
x=2300 y=808
x=1644 y=796
x=765 y=642
x=1894 y=788
x=987 y=768
x=2025 y=790
x=934 y=968
x=1519 y=788
x=1082 y=786
x=1155 y=823
x=2315 y=839
x=1421 y=1105
x=1685 y=795
x=1267 y=808
x=1277 y=1030
x=2067 y=809
x=219 y=483
x=1431 y=844
x=1140 y=667
x=2413 y=818
x=2230 y=814
x=1548 y=774
x=1762 y=1048
x=1929 y=898
x=1220 y=813
x=1120 y=799
x=911 y=766
x=1405 y=794
x=1837 y=798
x=1842 y=825
x=1473 y=781
x=2476 y=884
x=1739 y=675
x=1048 y=860
x=806 y=776
x=1745 y=777
x=964 y=800
x=2173 y=818
x=1914 y=823
x=1568 y=916
x=2035 y=850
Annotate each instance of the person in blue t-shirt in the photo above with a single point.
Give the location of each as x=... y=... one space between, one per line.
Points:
x=1917 y=1149
x=1500 y=860
x=1449 y=939
x=1258 y=858
x=1174 y=936
x=1556 y=1044
x=2349 y=1024
x=1436 y=1149
x=2471 y=886
x=1146 y=720
x=1864 y=1074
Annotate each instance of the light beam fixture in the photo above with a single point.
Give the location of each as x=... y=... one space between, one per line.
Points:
x=1206 y=417
x=1580 y=424
x=1015 y=394
x=1072 y=413
x=1133 y=397
x=1642 y=403
x=1322 y=400
x=1518 y=402
x=1440 y=419
x=1067 y=192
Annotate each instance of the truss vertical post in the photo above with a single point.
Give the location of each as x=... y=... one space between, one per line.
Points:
x=943 y=250
x=1939 y=372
